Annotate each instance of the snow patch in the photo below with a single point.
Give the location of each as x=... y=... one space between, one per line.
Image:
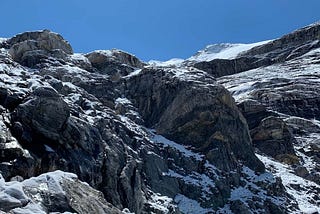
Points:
x=122 y=101
x=103 y=52
x=134 y=73
x=303 y=195
x=189 y=206
x=159 y=139
x=175 y=62
x=195 y=179
x=160 y=202
x=79 y=57
x=48 y=148
x=223 y=51
x=3 y=40
x=264 y=177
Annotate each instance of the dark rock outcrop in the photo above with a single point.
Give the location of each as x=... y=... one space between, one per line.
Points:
x=44 y=112
x=224 y=67
x=299 y=97
x=272 y=137
x=270 y=134
x=253 y=111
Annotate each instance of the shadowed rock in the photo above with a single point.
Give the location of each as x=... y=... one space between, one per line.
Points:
x=273 y=137
x=253 y=111
x=44 y=112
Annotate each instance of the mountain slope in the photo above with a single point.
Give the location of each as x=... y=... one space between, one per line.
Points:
x=223 y=51
x=161 y=137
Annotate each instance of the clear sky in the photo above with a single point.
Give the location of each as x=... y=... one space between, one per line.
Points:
x=161 y=29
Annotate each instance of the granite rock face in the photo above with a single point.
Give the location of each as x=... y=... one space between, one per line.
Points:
x=191 y=113
x=155 y=139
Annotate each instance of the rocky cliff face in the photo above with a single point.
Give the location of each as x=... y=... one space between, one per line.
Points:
x=157 y=139
x=276 y=51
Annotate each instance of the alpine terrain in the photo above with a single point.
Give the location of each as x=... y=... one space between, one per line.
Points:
x=233 y=129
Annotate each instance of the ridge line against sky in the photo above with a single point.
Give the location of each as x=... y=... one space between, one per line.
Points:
x=158 y=30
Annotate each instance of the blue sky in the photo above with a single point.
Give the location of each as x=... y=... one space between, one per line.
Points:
x=157 y=29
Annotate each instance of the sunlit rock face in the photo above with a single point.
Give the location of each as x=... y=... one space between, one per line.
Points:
x=30 y=48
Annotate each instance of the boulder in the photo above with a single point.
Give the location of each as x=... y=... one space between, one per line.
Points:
x=301 y=171
x=56 y=191
x=10 y=99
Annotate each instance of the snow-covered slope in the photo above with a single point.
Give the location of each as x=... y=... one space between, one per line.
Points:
x=211 y=52
x=223 y=51
x=172 y=62
x=3 y=40
x=280 y=88
x=303 y=190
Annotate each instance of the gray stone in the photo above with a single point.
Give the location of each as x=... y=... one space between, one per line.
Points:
x=301 y=171
x=45 y=112
x=272 y=137
x=253 y=111
x=30 y=47
x=195 y=114
x=115 y=63
x=52 y=192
